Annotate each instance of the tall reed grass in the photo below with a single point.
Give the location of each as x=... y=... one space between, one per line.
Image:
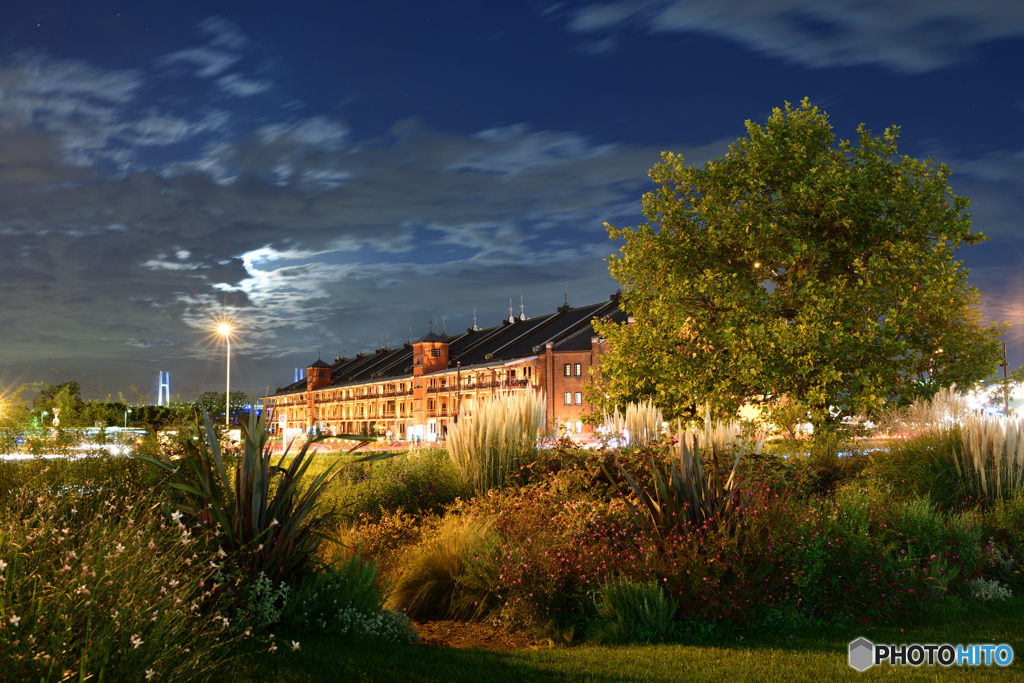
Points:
x=500 y=436
x=641 y=425
x=990 y=461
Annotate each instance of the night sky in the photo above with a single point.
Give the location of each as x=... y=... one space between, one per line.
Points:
x=329 y=175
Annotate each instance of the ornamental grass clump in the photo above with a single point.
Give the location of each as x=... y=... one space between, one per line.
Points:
x=496 y=440
x=642 y=425
x=629 y=612
x=990 y=461
x=267 y=516
x=433 y=584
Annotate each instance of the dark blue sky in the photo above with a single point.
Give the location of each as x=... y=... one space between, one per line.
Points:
x=330 y=173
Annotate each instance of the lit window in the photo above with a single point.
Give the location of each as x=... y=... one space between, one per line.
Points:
x=568 y=370
x=579 y=369
x=579 y=427
x=568 y=398
x=435 y=353
x=419 y=405
x=579 y=398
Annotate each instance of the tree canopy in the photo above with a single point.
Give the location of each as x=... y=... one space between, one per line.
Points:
x=796 y=267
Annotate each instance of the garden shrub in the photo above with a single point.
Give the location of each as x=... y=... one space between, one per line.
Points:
x=630 y=612
x=103 y=586
x=266 y=601
x=1006 y=523
x=985 y=590
x=1000 y=564
x=346 y=600
x=922 y=465
x=388 y=539
x=417 y=482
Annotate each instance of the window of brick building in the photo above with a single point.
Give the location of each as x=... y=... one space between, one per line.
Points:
x=579 y=369
x=579 y=398
x=435 y=353
x=568 y=370
x=568 y=398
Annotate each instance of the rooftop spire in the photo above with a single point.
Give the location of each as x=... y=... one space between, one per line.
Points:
x=444 y=329
x=522 y=315
x=510 y=318
x=475 y=328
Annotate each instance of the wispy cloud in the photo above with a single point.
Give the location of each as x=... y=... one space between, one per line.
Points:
x=909 y=36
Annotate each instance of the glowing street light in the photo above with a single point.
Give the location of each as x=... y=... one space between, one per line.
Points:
x=225 y=329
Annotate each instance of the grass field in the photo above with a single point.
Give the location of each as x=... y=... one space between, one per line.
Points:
x=801 y=655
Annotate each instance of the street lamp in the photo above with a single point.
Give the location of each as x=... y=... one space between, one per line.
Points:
x=127 y=410
x=225 y=329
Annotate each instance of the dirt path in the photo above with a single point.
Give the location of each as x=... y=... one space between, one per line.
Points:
x=481 y=636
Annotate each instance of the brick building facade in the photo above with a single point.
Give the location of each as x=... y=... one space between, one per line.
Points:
x=416 y=391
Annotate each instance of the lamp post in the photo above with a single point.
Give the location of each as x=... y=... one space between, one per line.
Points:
x=127 y=410
x=225 y=329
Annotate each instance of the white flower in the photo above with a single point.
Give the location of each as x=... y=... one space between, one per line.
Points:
x=120 y=548
x=295 y=645
x=150 y=674
x=14 y=619
x=221 y=553
x=136 y=641
x=3 y=565
x=176 y=516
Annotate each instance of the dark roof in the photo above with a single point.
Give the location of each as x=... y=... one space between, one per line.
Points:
x=318 y=364
x=580 y=339
x=569 y=329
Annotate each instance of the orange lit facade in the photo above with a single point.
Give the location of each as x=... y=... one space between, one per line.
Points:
x=415 y=392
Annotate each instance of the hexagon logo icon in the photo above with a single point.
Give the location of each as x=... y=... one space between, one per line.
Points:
x=862 y=654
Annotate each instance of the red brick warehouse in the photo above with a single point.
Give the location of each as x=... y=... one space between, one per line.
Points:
x=415 y=391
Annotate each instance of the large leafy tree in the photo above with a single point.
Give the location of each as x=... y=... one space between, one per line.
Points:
x=795 y=267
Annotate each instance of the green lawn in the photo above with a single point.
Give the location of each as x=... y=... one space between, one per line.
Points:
x=807 y=655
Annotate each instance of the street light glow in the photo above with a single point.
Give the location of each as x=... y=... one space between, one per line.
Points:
x=225 y=329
